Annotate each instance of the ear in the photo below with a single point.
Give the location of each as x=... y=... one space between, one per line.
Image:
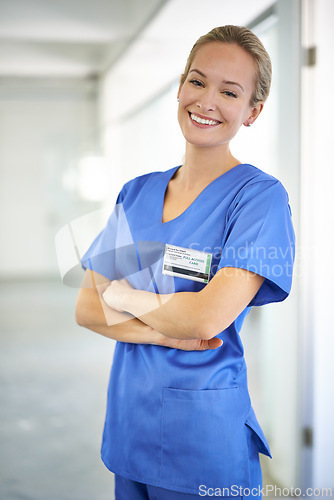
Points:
x=255 y=111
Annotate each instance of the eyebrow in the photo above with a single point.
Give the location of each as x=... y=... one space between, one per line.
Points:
x=227 y=82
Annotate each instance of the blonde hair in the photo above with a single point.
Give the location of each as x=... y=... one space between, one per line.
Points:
x=248 y=41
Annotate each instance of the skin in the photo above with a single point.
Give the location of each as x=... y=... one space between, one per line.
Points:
x=188 y=320
x=93 y=313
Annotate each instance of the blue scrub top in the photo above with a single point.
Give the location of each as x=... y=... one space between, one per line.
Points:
x=178 y=419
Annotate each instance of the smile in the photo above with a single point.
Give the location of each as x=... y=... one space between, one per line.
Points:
x=203 y=121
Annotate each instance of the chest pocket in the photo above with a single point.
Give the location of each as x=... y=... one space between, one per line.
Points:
x=204 y=439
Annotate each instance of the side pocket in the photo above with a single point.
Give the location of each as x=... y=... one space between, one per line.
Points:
x=259 y=438
x=203 y=439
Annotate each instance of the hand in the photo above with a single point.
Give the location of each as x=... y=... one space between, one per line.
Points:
x=116 y=294
x=191 y=344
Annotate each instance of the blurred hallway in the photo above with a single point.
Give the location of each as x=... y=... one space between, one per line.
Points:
x=53 y=378
x=75 y=125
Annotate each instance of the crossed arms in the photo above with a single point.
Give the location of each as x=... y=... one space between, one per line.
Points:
x=183 y=320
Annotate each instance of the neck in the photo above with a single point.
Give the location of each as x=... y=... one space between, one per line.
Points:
x=202 y=165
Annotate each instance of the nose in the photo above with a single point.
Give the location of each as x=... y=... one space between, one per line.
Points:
x=207 y=100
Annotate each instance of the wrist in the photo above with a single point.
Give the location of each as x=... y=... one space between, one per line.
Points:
x=157 y=338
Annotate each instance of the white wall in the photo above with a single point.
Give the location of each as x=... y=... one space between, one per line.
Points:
x=319 y=220
x=45 y=126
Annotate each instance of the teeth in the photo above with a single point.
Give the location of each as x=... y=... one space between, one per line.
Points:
x=202 y=121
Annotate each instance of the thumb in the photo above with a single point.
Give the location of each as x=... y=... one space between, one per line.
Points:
x=214 y=343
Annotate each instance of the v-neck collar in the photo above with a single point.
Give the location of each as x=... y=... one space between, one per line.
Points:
x=166 y=179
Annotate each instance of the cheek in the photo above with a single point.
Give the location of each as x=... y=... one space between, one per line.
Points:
x=184 y=102
x=181 y=114
x=187 y=95
x=234 y=113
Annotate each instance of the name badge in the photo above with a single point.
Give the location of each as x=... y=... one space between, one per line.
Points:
x=187 y=263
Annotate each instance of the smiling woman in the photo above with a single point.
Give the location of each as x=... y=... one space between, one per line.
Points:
x=251 y=44
x=185 y=254
x=217 y=95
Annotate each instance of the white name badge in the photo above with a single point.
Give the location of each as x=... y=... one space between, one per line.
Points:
x=187 y=263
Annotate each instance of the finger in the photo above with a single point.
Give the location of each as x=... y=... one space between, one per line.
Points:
x=105 y=296
x=124 y=281
x=214 y=343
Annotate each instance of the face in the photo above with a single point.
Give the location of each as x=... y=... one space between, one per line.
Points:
x=214 y=100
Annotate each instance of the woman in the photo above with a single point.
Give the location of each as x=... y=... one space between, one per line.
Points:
x=184 y=256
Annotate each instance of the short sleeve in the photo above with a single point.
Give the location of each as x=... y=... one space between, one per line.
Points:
x=102 y=254
x=259 y=237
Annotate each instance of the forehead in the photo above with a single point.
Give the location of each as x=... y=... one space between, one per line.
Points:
x=225 y=61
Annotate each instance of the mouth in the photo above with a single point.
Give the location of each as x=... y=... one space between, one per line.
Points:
x=208 y=122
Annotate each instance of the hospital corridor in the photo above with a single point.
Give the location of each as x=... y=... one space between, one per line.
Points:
x=88 y=101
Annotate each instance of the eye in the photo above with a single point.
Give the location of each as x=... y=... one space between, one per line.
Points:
x=229 y=93
x=197 y=83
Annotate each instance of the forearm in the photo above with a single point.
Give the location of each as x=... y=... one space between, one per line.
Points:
x=93 y=313
x=189 y=315
x=132 y=330
x=178 y=315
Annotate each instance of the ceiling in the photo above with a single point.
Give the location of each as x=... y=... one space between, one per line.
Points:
x=83 y=38
x=68 y=38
